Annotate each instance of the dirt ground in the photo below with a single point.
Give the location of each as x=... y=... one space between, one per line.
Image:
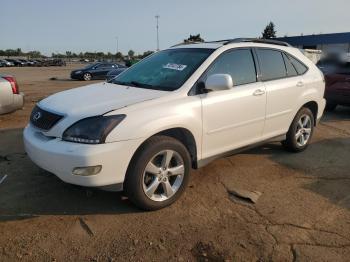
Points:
x=303 y=213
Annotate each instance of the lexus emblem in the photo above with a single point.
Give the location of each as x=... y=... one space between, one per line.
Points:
x=36 y=116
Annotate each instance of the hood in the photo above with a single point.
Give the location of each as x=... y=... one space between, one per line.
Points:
x=96 y=99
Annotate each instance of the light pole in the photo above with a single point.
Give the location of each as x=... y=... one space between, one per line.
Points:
x=117 y=42
x=157 y=18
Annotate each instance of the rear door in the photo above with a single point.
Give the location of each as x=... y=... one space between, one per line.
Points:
x=101 y=70
x=283 y=86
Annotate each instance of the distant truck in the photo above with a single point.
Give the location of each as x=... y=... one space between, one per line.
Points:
x=312 y=54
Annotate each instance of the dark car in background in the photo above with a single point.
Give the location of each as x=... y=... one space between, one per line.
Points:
x=115 y=72
x=95 y=71
x=16 y=62
x=4 y=62
x=24 y=62
x=337 y=77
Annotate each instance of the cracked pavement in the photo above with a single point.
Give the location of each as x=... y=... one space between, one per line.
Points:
x=303 y=213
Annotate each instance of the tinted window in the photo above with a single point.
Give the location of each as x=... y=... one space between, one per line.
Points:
x=237 y=63
x=290 y=68
x=105 y=66
x=300 y=67
x=271 y=64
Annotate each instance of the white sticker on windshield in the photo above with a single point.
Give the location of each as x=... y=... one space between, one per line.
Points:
x=175 y=66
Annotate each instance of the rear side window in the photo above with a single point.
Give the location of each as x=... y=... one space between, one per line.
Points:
x=271 y=64
x=291 y=71
x=238 y=63
x=300 y=67
x=106 y=66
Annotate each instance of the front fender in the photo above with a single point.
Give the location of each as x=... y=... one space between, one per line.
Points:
x=144 y=121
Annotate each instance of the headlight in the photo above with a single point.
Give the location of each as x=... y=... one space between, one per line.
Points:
x=92 y=130
x=77 y=72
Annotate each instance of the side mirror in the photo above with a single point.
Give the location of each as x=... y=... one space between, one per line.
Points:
x=219 y=82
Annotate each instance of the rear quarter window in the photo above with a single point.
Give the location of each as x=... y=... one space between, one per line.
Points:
x=291 y=71
x=299 y=66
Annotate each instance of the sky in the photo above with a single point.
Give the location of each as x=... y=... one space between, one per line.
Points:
x=87 y=25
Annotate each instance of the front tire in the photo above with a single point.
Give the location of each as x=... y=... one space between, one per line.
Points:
x=300 y=131
x=158 y=173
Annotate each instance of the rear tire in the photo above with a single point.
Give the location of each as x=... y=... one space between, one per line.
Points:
x=158 y=173
x=300 y=131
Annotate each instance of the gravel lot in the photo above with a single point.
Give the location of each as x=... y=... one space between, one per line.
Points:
x=303 y=213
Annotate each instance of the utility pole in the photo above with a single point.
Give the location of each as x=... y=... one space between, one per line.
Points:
x=157 y=18
x=116 y=39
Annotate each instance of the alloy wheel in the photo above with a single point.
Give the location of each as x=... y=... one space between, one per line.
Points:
x=303 y=131
x=163 y=175
x=87 y=77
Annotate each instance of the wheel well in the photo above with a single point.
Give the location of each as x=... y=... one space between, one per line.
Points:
x=312 y=105
x=186 y=138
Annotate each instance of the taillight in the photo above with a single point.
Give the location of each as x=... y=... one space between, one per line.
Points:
x=13 y=83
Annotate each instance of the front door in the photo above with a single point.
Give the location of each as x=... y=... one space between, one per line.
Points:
x=233 y=118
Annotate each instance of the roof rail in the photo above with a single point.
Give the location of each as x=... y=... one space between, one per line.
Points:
x=257 y=40
x=240 y=40
x=187 y=43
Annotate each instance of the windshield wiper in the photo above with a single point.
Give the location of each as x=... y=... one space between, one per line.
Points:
x=132 y=83
x=138 y=84
x=119 y=83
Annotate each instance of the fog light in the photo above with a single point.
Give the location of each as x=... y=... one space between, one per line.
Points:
x=87 y=171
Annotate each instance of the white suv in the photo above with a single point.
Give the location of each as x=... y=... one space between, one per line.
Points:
x=178 y=109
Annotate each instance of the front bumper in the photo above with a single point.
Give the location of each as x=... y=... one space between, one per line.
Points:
x=61 y=157
x=76 y=76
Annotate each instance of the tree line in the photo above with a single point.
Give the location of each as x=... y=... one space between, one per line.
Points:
x=73 y=55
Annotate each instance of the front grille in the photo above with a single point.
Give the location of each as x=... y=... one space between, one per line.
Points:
x=43 y=119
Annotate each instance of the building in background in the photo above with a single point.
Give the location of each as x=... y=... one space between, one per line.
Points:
x=327 y=43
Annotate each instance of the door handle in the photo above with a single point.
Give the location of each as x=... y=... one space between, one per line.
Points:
x=258 y=92
x=300 y=84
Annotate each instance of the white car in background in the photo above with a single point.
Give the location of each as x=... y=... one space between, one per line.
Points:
x=177 y=109
x=10 y=97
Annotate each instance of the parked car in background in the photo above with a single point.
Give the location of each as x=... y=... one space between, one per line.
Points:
x=115 y=72
x=2 y=63
x=31 y=62
x=15 y=62
x=10 y=97
x=6 y=62
x=39 y=62
x=24 y=62
x=337 y=77
x=95 y=71
x=178 y=109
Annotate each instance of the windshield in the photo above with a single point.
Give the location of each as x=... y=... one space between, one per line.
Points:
x=166 y=70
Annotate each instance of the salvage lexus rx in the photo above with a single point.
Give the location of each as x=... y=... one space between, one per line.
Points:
x=177 y=109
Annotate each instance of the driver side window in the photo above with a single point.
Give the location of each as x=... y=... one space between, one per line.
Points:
x=238 y=63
